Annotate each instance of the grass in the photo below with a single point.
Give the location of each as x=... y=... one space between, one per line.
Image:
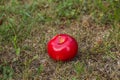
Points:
x=27 y=25
x=7 y=72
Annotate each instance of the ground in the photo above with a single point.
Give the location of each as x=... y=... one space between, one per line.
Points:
x=27 y=25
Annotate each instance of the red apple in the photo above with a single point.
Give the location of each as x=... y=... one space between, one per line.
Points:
x=62 y=47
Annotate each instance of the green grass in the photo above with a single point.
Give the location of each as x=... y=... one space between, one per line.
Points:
x=79 y=68
x=27 y=25
x=7 y=72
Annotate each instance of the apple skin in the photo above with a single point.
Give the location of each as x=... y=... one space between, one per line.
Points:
x=62 y=47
